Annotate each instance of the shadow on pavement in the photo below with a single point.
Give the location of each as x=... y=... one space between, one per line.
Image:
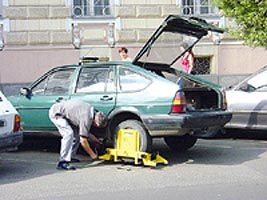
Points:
x=231 y=148
x=38 y=156
x=40 y=143
x=243 y=134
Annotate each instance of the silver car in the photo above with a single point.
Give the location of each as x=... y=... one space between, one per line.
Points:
x=248 y=102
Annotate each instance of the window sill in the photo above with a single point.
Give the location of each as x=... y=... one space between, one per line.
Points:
x=101 y=20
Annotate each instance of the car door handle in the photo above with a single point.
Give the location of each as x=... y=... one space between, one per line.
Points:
x=59 y=99
x=106 y=98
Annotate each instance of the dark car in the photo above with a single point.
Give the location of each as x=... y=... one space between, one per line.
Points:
x=143 y=95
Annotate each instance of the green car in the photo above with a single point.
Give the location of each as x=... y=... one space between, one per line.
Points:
x=149 y=94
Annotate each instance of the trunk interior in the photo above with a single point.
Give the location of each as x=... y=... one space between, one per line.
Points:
x=199 y=97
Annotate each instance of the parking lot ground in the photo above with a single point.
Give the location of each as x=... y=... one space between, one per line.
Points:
x=215 y=169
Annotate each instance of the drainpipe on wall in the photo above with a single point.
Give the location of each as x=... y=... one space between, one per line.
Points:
x=2 y=44
x=76 y=41
x=111 y=35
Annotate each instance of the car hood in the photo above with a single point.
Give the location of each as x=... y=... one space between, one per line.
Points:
x=163 y=47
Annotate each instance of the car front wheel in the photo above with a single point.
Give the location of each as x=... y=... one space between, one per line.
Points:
x=145 y=140
x=180 y=143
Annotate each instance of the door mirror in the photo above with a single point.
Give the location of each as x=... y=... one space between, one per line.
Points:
x=25 y=92
x=247 y=88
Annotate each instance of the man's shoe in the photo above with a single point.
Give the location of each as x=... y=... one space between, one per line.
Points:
x=75 y=160
x=65 y=165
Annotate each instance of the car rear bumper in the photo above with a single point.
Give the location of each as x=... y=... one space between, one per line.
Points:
x=180 y=124
x=10 y=141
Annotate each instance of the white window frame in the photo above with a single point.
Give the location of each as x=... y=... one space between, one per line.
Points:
x=84 y=10
x=195 y=7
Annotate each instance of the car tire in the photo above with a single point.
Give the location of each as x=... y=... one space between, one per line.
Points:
x=180 y=143
x=145 y=140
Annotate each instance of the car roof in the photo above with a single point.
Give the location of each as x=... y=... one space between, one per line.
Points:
x=99 y=63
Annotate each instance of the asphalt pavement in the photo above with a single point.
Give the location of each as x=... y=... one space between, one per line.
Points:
x=222 y=168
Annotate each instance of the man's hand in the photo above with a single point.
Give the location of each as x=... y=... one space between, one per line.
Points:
x=87 y=148
x=94 y=139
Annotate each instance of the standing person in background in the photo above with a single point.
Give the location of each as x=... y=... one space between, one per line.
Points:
x=187 y=59
x=73 y=119
x=123 y=51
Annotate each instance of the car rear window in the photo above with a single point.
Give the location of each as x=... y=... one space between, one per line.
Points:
x=132 y=81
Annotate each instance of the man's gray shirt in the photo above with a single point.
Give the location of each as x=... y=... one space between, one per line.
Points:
x=79 y=114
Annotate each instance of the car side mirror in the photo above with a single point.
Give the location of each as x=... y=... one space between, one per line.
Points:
x=25 y=92
x=247 y=88
x=244 y=87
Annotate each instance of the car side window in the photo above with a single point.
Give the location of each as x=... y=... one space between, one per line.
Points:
x=258 y=82
x=96 y=79
x=56 y=83
x=132 y=81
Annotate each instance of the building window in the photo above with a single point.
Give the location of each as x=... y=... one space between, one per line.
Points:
x=198 y=8
x=202 y=65
x=92 y=8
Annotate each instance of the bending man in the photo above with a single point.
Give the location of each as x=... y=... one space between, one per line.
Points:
x=73 y=119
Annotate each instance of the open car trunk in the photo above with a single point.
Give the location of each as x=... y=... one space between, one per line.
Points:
x=200 y=95
x=161 y=55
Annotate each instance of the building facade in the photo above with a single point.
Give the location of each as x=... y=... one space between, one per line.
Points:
x=36 y=35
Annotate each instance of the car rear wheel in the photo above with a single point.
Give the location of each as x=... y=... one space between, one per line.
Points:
x=145 y=140
x=180 y=143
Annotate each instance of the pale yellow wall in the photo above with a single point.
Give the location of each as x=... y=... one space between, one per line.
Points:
x=26 y=66
x=240 y=59
x=31 y=19
x=138 y=18
x=37 y=2
x=147 y=2
x=40 y=36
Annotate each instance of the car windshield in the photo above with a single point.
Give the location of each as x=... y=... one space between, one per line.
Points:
x=167 y=48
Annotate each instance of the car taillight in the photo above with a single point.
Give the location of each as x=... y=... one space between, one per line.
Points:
x=17 y=123
x=179 y=103
x=224 y=107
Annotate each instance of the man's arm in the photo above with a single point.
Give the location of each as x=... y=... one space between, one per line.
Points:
x=86 y=146
x=94 y=138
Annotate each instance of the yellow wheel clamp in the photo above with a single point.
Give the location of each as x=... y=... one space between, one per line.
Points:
x=128 y=147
